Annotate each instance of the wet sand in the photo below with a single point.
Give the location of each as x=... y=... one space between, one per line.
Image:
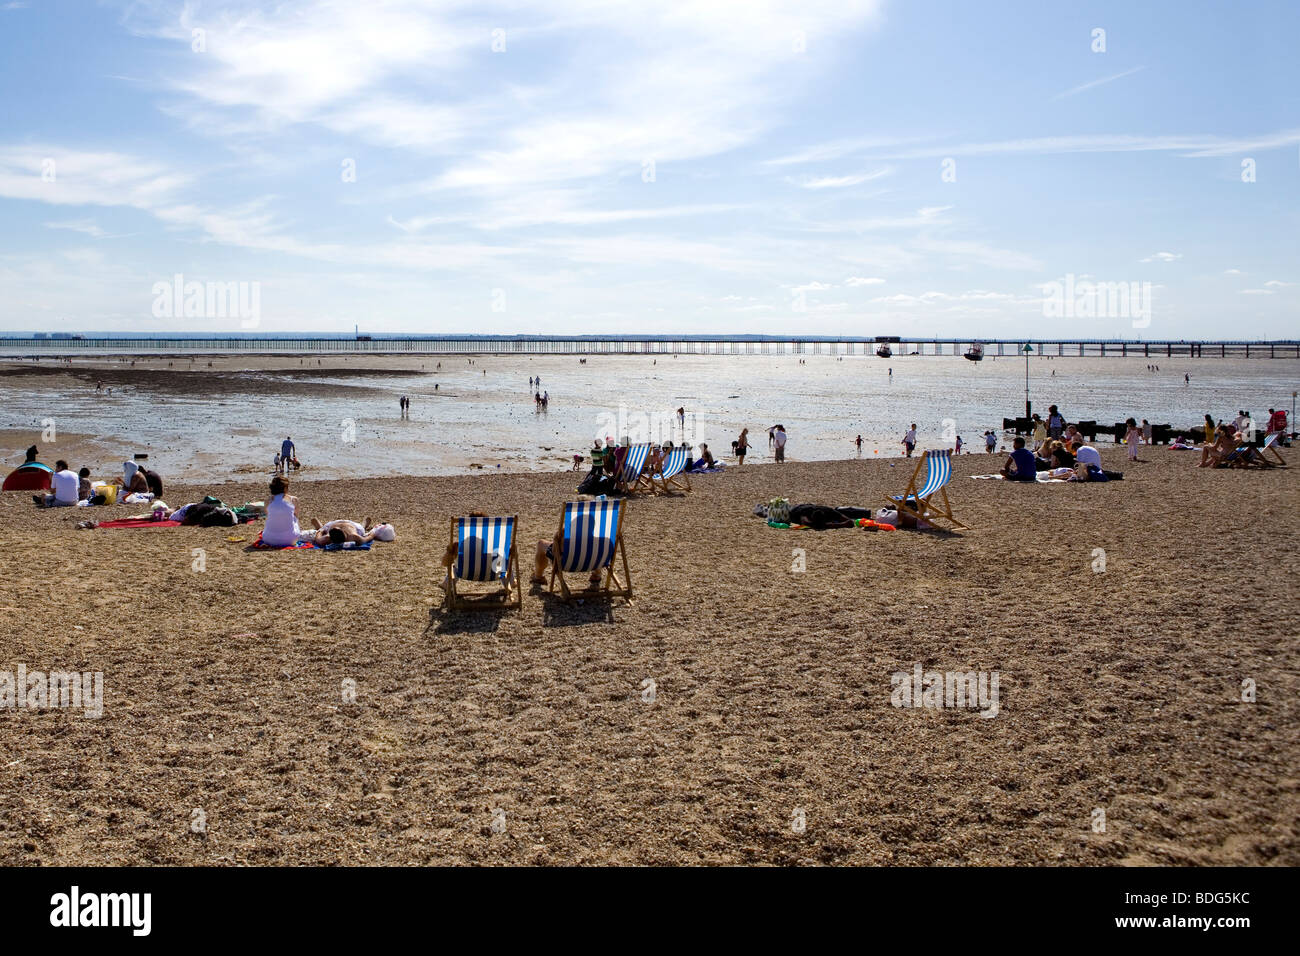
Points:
x=199 y=423
x=1119 y=690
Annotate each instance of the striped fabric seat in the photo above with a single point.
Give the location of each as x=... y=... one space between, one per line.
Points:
x=590 y=535
x=1270 y=447
x=674 y=464
x=633 y=463
x=483 y=548
x=938 y=464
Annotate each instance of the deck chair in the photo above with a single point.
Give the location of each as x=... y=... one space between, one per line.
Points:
x=1270 y=446
x=673 y=472
x=591 y=537
x=923 y=503
x=485 y=552
x=1245 y=456
x=629 y=477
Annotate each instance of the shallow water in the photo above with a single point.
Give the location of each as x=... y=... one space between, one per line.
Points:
x=346 y=423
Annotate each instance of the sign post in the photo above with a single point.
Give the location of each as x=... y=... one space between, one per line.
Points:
x=1027 y=349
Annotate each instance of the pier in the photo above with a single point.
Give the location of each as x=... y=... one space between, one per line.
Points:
x=901 y=347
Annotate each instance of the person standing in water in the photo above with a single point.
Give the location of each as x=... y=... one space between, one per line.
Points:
x=858 y=441
x=742 y=446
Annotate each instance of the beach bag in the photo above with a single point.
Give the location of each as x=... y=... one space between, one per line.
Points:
x=778 y=509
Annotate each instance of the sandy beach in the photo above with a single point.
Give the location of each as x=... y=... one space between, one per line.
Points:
x=1119 y=690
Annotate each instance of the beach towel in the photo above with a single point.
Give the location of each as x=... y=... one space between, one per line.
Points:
x=308 y=546
x=138 y=523
x=1043 y=478
x=259 y=546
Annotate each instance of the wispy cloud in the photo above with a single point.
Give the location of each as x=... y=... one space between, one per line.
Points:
x=1163 y=257
x=1092 y=84
x=839 y=182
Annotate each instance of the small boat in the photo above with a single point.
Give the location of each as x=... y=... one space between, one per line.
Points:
x=976 y=352
x=884 y=351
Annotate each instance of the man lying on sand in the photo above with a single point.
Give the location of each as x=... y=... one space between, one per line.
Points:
x=343 y=530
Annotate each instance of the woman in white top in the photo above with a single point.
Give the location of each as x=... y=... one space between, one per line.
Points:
x=281 y=529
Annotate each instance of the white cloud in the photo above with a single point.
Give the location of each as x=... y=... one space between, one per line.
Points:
x=854 y=281
x=1163 y=257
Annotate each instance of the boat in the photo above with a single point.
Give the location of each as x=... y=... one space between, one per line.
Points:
x=976 y=352
x=884 y=351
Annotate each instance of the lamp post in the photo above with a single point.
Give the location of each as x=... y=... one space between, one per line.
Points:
x=1027 y=349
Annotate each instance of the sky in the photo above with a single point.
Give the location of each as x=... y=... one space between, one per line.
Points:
x=865 y=167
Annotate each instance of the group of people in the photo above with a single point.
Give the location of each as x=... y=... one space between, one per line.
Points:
x=69 y=488
x=286 y=458
x=1230 y=442
x=1070 y=450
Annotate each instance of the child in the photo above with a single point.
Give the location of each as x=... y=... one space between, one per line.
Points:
x=1132 y=438
x=278 y=466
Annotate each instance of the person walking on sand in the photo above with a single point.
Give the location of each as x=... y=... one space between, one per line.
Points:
x=780 y=443
x=742 y=446
x=990 y=441
x=1147 y=432
x=909 y=440
x=287 y=452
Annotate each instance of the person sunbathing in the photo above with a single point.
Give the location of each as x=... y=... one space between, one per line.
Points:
x=343 y=530
x=1225 y=443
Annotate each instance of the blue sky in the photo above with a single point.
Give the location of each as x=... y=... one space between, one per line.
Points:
x=652 y=167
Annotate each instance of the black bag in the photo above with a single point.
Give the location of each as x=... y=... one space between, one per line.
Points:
x=595 y=484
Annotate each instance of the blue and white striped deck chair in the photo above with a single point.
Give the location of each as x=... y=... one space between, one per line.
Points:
x=630 y=478
x=929 y=502
x=486 y=552
x=673 y=473
x=1270 y=445
x=591 y=539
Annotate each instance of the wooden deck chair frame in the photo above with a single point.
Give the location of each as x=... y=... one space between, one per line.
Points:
x=1245 y=457
x=678 y=480
x=508 y=595
x=928 y=509
x=1270 y=447
x=610 y=585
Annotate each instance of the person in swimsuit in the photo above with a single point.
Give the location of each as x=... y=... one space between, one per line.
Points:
x=742 y=446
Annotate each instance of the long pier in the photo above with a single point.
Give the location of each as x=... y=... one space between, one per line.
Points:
x=900 y=347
